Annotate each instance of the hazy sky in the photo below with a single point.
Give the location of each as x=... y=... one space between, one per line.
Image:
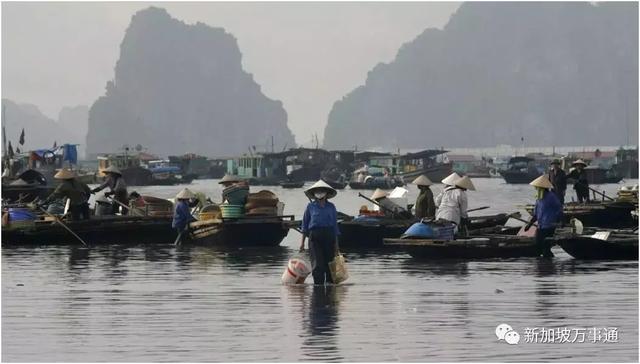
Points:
x=307 y=55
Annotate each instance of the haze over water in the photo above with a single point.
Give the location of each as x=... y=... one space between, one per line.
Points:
x=162 y=303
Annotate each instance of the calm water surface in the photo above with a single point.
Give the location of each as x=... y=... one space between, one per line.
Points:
x=194 y=304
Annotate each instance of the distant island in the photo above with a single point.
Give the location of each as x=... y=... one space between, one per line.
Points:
x=181 y=88
x=40 y=131
x=552 y=73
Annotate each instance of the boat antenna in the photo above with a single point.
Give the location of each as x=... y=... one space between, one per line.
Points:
x=272 y=150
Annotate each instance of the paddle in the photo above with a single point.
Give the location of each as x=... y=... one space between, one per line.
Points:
x=601 y=194
x=478 y=208
x=63 y=225
x=118 y=202
x=515 y=217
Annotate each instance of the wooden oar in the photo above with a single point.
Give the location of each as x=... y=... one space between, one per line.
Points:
x=56 y=219
x=118 y=202
x=478 y=208
x=601 y=194
x=513 y=216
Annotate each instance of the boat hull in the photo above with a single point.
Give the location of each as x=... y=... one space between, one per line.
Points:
x=585 y=247
x=498 y=246
x=97 y=230
x=436 y=173
x=240 y=232
x=615 y=214
x=518 y=177
x=371 y=233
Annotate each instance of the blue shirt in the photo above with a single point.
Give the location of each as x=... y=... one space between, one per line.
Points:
x=316 y=216
x=181 y=216
x=548 y=211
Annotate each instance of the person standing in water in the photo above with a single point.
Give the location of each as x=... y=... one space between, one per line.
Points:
x=320 y=224
x=547 y=212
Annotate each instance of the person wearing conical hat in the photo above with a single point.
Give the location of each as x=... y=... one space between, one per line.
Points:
x=579 y=174
x=452 y=202
x=547 y=212
x=117 y=189
x=77 y=192
x=425 y=205
x=229 y=179
x=182 y=213
x=451 y=179
x=320 y=225
x=387 y=207
x=558 y=179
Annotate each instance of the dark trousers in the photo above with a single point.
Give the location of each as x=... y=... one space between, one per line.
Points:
x=560 y=195
x=79 y=212
x=322 y=250
x=544 y=246
x=583 y=194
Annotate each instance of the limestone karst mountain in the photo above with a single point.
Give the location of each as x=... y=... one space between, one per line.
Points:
x=554 y=73
x=181 y=88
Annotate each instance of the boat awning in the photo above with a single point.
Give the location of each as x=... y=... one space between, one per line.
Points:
x=428 y=153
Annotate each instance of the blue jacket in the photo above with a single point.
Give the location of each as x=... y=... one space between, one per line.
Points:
x=316 y=216
x=548 y=211
x=182 y=216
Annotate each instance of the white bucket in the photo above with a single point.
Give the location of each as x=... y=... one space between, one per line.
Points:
x=296 y=272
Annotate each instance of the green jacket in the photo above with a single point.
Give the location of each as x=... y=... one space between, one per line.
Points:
x=425 y=207
x=76 y=191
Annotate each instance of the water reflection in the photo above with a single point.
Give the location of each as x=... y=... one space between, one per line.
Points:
x=322 y=323
x=424 y=268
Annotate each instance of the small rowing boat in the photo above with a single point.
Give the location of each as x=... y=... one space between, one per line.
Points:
x=473 y=247
x=602 y=244
x=241 y=231
x=370 y=231
x=605 y=214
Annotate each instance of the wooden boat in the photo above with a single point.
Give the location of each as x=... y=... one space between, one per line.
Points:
x=244 y=231
x=617 y=245
x=606 y=214
x=520 y=170
x=292 y=184
x=474 y=247
x=97 y=230
x=371 y=232
x=338 y=185
x=379 y=182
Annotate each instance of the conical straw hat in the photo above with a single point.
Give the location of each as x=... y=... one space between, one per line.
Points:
x=579 y=161
x=542 y=182
x=331 y=192
x=65 y=174
x=112 y=169
x=229 y=178
x=378 y=193
x=465 y=182
x=451 y=179
x=422 y=181
x=185 y=194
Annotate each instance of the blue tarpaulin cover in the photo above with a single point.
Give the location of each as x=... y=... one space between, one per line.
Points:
x=70 y=153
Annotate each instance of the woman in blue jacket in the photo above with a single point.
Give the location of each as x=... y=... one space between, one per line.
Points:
x=547 y=212
x=320 y=224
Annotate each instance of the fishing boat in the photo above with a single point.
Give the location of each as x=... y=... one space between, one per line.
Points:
x=520 y=170
x=605 y=245
x=338 y=185
x=241 y=231
x=113 y=229
x=605 y=214
x=484 y=246
x=370 y=231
